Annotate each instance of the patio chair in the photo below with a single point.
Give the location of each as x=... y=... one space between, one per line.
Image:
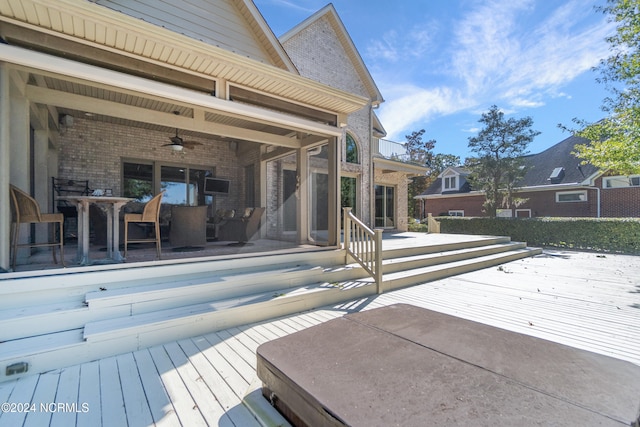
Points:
x=26 y=210
x=241 y=228
x=68 y=187
x=150 y=215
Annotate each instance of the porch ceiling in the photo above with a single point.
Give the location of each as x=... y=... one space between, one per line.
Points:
x=109 y=31
x=179 y=112
x=71 y=87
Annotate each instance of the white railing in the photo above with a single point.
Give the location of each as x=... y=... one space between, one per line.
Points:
x=363 y=245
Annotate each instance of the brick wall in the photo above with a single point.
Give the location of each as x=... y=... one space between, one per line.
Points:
x=614 y=203
x=95 y=151
x=318 y=54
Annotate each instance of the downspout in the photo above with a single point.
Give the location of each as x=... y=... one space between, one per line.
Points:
x=372 y=176
x=5 y=213
x=598 y=201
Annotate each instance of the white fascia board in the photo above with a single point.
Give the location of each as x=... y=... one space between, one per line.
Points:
x=91 y=73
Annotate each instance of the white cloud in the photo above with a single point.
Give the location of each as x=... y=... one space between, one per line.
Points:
x=496 y=56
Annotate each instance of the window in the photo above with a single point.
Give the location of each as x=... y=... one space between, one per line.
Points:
x=571 y=196
x=450 y=183
x=385 y=206
x=184 y=185
x=348 y=193
x=352 y=150
x=621 y=181
x=456 y=213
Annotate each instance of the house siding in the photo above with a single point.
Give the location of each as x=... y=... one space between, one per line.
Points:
x=217 y=23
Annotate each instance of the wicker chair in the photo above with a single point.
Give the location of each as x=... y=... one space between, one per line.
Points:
x=151 y=215
x=242 y=229
x=26 y=210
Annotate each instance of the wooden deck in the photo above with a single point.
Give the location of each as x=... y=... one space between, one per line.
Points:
x=585 y=300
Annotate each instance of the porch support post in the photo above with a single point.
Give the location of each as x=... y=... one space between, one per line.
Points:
x=20 y=170
x=334 y=192
x=302 y=160
x=5 y=210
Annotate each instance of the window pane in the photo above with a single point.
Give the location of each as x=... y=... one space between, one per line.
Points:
x=173 y=181
x=352 y=150
x=390 y=200
x=138 y=181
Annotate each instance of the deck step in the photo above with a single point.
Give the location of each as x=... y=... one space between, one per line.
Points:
x=408 y=251
x=436 y=258
x=123 y=318
x=206 y=317
x=430 y=273
x=174 y=293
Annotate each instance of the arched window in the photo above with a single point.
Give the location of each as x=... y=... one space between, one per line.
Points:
x=352 y=150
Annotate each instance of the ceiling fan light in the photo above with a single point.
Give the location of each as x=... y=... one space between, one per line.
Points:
x=176 y=147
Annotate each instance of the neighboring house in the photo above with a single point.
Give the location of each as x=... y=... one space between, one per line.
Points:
x=555 y=185
x=95 y=89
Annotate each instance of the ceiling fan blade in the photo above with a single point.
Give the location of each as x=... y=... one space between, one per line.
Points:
x=190 y=144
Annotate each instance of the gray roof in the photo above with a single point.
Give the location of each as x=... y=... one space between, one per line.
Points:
x=556 y=159
x=541 y=166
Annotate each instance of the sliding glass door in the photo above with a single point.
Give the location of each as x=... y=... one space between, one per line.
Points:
x=385 y=206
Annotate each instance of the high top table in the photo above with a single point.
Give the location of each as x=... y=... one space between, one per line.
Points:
x=403 y=365
x=112 y=206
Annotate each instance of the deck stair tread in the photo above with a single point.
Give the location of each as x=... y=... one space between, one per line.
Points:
x=135 y=322
x=398 y=252
x=121 y=317
x=38 y=310
x=499 y=257
x=435 y=258
x=214 y=285
x=42 y=343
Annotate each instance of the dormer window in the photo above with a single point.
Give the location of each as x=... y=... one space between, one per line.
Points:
x=450 y=183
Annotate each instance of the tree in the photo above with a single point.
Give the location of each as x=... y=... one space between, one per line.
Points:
x=615 y=140
x=420 y=152
x=498 y=167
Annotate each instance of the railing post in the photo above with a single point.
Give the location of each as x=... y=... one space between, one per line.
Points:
x=378 y=258
x=433 y=226
x=346 y=232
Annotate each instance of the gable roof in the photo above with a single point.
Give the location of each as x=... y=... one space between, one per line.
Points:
x=347 y=43
x=233 y=25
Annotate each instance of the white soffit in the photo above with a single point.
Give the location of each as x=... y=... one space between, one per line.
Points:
x=116 y=80
x=97 y=26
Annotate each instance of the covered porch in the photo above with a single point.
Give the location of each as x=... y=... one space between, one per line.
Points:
x=113 y=120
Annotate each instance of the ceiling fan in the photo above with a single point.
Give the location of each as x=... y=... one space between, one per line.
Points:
x=178 y=144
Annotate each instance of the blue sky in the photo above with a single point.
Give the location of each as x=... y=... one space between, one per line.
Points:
x=440 y=63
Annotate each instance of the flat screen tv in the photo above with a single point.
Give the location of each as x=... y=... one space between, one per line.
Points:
x=216 y=186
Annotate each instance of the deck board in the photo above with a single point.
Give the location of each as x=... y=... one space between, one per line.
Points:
x=582 y=300
x=45 y=392
x=67 y=393
x=89 y=393
x=111 y=400
x=155 y=392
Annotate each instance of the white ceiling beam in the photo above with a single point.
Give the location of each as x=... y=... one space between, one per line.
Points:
x=127 y=112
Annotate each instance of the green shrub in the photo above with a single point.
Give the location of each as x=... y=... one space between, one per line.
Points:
x=620 y=235
x=416 y=226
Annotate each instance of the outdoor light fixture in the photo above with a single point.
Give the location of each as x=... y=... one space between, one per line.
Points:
x=176 y=147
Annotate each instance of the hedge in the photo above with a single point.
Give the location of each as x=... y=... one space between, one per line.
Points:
x=617 y=235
